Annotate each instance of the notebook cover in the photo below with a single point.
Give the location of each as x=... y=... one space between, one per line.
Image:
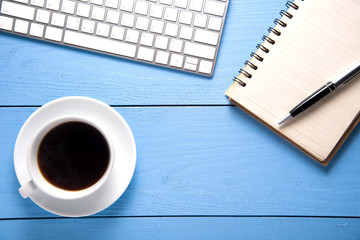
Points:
x=323 y=162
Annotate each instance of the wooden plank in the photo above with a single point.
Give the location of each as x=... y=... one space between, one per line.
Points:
x=207 y=161
x=33 y=72
x=182 y=228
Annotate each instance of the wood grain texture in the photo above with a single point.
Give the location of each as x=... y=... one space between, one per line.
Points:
x=207 y=161
x=181 y=228
x=192 y=162
x=33 y=72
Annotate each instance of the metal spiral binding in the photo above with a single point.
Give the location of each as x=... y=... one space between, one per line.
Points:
x=258 y=57
x=293 y=5
x=270 y=40
x=236 y=79
x=264 y=49
x=248 y=75
x=277 y=21
x=281 y=23
x=274 y=31
x=253 y=66
x=285 y=13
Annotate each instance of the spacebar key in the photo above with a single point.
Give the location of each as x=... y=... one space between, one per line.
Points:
x=100 y=44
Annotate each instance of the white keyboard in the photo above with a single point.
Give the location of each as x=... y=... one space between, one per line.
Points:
x=180 y=34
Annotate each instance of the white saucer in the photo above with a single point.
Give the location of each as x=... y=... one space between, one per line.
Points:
x=125 y=154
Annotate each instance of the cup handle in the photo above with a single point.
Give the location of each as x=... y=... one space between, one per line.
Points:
x=26 y=190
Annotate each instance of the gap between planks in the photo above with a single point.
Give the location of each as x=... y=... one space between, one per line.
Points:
x=188 y=216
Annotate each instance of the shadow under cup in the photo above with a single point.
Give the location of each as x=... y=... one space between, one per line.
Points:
x=70 y=158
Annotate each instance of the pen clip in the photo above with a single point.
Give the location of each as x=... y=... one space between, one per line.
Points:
x=347 y=80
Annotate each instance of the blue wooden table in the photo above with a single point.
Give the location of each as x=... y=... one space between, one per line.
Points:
x=205 y=169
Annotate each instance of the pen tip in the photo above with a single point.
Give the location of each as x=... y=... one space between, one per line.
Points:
x=287 y=117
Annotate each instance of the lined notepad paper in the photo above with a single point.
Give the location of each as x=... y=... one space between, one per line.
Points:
x=320 y=40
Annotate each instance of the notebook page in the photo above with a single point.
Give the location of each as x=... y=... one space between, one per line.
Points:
x=318 y=43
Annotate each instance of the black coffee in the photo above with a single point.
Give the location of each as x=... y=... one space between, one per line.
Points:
x=73 y=156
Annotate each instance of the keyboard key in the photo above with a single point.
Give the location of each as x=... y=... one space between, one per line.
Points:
x=176 y=60
x=17 y=10
x=57 y=19
x=117 y=33
x=42 y=16
x=132 y=36
x=53 y=4
x=175 y=45
x=127 y=5
x=171 y=29
x=181 y=3
x=162 y=57
x=171 y=14
x=156 y=11
x=186 y=32
x=22 y=1
x=68 y=6
x=21 y=26
x=166 y=2
x=192 y=60
x=200 y=20
x=113 y=16
x=199 y=50
x=38 y=3
x=161 y=42
x=112 y=3
x=215 y=23
x=185 y=17
x=191 y=63
x=146 y=54
x=83 y=10
x=141 y=8
x=99 y=43
x=215 y=8
x=189 y=66
x=6 y=23
x=142 y=23
x=73 y=23
x=127 y=20
x=157 y=26
x=87 y=26
x=98 y=13
x=147 y=39
x=52 y=33
x=206 y=37
x=102 y=29
x=36 y=30
x=97 y=2
x=205 y=67
x=196 y=5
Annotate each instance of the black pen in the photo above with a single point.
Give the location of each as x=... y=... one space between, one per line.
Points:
x=343 y=78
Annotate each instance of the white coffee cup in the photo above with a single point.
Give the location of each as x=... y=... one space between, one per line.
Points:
x=39 y=183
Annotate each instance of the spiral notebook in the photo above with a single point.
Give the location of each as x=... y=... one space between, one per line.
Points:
x=314 y=41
